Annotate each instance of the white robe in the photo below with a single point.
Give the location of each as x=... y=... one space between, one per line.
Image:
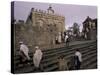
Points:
x=25 y=49
x=37 y=57
x=59 y=38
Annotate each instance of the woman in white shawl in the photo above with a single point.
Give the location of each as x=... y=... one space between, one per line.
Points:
x=37 y=56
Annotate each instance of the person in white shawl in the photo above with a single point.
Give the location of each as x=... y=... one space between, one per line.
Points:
x=24 y=49
x=66 y=37
x=37 y=56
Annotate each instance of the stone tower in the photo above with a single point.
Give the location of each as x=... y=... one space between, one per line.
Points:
x=42 y=27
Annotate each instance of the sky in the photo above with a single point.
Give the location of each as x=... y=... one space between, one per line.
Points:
x=72 y=13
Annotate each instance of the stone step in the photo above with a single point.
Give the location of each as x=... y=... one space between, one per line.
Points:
x=56 y=49
x=92 y=66
x=66 y=54
x=47 y=51
x=31 y=70
x=92 y=59
x=53 y=68
x=84 y=59
x=55 y=58
x=70 y=47
x=26 y=69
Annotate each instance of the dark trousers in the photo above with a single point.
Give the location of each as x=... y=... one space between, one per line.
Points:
x=77 y=67
x=67 y=43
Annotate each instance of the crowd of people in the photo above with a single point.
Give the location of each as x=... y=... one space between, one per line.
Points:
x=62 y=38
x=63 y=64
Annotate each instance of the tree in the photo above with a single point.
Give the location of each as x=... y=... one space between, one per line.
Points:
x=76 y=29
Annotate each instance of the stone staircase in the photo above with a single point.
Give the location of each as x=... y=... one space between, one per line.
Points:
x=49 y=62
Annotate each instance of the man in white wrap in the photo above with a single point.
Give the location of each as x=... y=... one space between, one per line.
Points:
x=25 y=50
x=67 y=40
x=37 y=56
x=79 y=61
x=24 y=54
x=66 y=37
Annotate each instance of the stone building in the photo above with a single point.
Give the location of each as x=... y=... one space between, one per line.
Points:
x=41 y=28
x=90 y=28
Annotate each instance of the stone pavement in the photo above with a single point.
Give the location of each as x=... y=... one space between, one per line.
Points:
x=49 y=62
x=70 y=44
